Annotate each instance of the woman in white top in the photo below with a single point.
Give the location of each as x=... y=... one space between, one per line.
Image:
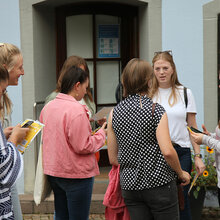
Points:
x=167 y=91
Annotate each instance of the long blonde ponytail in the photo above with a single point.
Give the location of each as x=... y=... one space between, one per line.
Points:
x=7 y=54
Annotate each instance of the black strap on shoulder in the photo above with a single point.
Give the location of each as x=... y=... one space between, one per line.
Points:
x=185 y=96
x=153 y=108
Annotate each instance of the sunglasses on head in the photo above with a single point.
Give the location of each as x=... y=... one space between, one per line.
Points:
x=165 y=51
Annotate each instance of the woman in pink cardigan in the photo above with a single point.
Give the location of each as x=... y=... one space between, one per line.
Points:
x=69 y=147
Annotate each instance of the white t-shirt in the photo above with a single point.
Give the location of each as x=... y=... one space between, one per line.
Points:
x=177 y=114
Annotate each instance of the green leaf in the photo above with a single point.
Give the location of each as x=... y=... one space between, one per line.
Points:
x=195 y=193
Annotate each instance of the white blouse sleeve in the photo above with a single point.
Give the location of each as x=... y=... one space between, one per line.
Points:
x=211 y=142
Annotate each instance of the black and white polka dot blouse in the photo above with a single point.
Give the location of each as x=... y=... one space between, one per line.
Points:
x=142 y=165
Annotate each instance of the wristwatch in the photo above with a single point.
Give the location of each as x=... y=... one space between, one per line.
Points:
x=198 y=155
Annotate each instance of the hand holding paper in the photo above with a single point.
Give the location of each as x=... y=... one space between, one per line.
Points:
x=34 y=128
x=101 y=121
x=193 y=182
x=18 y=134
x=102 y=113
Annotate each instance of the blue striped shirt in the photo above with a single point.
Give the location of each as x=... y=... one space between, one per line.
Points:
x=11 y=166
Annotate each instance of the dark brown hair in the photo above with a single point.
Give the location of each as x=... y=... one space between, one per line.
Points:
x=71 y=77
x=136 y=76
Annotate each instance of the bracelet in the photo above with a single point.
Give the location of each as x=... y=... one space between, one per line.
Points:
x=198 y=155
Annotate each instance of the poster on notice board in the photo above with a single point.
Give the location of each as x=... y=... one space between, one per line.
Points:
x=108 y=41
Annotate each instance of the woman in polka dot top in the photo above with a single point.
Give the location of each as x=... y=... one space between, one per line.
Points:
x=138 y=140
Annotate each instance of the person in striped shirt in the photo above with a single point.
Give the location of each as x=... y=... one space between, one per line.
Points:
x=11 y=162
x=12 y=59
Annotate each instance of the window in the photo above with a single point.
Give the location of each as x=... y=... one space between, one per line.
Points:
x=106 y=36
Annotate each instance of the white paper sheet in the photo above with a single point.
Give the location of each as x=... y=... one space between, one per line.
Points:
x=102 y=113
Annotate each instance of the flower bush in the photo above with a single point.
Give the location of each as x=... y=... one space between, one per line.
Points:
x=209 y=177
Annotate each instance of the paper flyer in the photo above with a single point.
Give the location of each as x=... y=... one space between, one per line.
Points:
x=102 y=113
x=193 y=182
x=34 y=129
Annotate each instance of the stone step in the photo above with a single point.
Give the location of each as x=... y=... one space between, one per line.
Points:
x=28 y=205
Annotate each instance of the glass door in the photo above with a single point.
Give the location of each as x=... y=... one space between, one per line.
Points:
x=106 y=36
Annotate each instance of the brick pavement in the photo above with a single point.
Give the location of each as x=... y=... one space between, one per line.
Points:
x=50 y=217
x=208 y=214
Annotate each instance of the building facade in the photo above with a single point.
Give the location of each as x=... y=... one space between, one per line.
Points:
x=107 y=34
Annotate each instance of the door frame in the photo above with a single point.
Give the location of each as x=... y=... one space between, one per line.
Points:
x=129 y=41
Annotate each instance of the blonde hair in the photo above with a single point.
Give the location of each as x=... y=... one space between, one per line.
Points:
x=166 y=56
x=7 y=59
x=4 y=76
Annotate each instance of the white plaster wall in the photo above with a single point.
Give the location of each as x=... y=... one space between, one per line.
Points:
x=182 y=32
x=44 y=52
x=10 y=33
x=38 y=44
x=210 y=20
x=150 y=39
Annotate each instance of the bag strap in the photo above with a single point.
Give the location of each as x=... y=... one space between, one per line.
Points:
x=185 y=96
x=153 y=108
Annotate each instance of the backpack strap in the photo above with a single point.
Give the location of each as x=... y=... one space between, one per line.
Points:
x=185 y=96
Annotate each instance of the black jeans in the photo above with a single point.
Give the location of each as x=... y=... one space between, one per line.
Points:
x=158 y=203
x=219 y=196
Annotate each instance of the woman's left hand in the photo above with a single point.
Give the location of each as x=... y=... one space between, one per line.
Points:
x=199 y=165
x=91 y=120
x=101 y=121
x=196 y=139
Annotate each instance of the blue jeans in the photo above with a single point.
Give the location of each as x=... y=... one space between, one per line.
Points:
x=16 y=203
x=185 y=159
x=72 y=197
x=158 y=203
